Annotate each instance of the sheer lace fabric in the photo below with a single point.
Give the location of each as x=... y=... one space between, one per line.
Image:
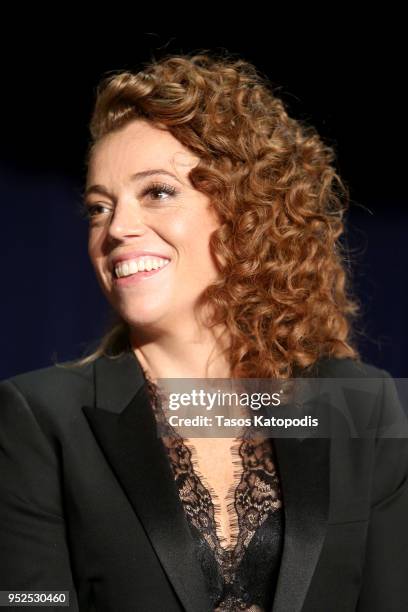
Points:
x=240 y=574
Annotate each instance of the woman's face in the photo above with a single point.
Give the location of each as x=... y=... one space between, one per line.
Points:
x=161 y=214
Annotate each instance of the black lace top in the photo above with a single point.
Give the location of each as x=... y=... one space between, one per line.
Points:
x=241 y=575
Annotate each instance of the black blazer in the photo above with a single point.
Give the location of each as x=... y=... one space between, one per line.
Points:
x=88 y=503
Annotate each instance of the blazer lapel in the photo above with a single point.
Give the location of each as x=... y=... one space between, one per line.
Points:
x=125 y=427
x=304 y=470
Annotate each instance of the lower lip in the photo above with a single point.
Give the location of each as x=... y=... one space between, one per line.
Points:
x=136 y=278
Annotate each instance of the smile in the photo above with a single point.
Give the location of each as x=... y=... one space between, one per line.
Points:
x=132 y=271
x=139 y=264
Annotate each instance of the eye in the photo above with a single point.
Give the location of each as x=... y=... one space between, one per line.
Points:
x=154 y=190
x=91 y=210
x=158 y=188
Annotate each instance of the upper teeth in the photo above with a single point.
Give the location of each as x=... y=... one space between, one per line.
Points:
x=130 y=266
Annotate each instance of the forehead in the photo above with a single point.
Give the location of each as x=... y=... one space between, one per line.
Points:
x=139 y=145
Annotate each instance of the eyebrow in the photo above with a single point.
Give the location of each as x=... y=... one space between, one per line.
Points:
x=136 y=176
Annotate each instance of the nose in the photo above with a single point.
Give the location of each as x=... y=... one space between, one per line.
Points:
x=127 y=220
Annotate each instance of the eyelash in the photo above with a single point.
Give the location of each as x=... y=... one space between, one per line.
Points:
x=156 y=188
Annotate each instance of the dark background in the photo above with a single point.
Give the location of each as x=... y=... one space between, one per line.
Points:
x=348 y=85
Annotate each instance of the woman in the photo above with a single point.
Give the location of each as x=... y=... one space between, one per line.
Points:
x=214 y=221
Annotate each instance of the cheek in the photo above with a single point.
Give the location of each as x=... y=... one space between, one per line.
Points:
x=191 y=236
x=92 y=251
x=95 y=252
x=197 y=266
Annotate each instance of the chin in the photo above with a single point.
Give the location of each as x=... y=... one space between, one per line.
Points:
x=147 y=316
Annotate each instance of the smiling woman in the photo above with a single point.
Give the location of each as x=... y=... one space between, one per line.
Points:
x=137 y=219
x=214 y=226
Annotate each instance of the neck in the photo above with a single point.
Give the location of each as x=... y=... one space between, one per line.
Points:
x=186 y=352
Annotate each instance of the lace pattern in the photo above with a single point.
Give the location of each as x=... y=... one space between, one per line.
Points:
x=253 y=499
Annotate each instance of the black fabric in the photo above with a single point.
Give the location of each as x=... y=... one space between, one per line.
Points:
x=255 y=578
x=240 y=574
x=88 y=501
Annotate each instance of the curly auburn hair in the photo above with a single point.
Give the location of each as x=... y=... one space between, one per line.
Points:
x=283 y=288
